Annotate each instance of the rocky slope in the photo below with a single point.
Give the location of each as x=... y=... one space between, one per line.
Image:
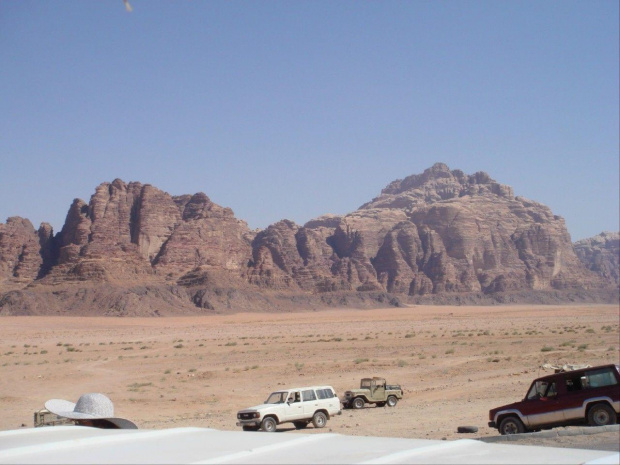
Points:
x=440 y=235
x=601 y=254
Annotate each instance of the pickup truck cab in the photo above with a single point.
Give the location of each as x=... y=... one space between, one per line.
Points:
x=589 y=395
x=300 y=406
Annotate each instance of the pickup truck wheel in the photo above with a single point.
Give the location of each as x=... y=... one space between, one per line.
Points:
x=358 y=403
x=300 y=424
x=269 y=425
x=319 y=420
x=511 y=425
x=601 y=415
x=392 y=401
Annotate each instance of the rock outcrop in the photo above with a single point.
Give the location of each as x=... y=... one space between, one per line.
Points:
x=134 y=233
x=134 y=249
x=21 y=252
x=438 y=232
x=601 y=254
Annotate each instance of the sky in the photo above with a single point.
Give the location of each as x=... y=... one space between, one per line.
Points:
x=295 y=109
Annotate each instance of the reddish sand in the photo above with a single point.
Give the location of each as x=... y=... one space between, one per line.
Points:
x=455 y=363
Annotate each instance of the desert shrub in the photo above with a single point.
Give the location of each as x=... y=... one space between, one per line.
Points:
x=136 y=386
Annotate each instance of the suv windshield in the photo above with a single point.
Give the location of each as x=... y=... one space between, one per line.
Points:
x=276 y=398
x=541 y=389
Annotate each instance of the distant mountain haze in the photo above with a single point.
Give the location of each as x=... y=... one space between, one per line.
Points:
x=440 y=237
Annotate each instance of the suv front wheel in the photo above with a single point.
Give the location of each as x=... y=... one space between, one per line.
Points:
x=269 y=425
x=601 y=415
x=511 y=425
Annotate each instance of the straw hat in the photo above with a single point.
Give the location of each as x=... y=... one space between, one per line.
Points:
x=94 y=406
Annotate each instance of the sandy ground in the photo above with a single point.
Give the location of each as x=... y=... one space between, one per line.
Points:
x=455 y=363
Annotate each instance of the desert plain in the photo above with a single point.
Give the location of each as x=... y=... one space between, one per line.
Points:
x=454 y=362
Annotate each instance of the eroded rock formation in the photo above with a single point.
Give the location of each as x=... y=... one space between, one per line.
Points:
x=438 y=233
x=601 y=254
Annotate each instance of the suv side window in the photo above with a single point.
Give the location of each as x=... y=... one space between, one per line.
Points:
x=324 y=393
x=308 y=395
x=600 y=378
x=574 y=384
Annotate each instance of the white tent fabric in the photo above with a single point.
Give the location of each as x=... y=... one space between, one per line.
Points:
x=75 y=444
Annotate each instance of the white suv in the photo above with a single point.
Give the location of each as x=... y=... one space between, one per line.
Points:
x=299 y=406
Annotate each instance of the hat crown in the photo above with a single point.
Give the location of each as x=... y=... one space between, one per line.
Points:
x=95 y=404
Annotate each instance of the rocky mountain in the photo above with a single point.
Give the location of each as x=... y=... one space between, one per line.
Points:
x=441 y=236
x=601 y=254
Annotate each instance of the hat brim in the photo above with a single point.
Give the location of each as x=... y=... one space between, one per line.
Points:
x=122 y=423
x=64 y=408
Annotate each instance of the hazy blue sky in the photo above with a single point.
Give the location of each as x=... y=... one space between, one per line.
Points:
x=293 y=109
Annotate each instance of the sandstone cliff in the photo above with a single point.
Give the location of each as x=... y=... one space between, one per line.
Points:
x=441 y=235
x=601 y=254
x=438 y=232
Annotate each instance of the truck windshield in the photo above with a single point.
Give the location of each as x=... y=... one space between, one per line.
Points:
x=277 y=398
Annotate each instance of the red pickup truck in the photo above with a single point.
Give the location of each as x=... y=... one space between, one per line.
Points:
x=589 y=395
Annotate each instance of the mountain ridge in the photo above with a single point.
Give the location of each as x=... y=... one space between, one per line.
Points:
x=439 y=236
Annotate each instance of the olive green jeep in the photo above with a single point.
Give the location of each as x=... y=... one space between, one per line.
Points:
x=373 y=391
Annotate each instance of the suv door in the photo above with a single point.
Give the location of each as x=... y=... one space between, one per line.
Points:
x=328 y=400
x=294 y=409
x=587 y=385
x=310 y=402
x=542 y=406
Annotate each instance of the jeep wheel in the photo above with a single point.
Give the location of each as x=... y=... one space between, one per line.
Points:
x=601 y=415
x=300 y=424
x=392 y=401
x=358 y=402
x=511 y=425
x=319 y=420
x=269 y=425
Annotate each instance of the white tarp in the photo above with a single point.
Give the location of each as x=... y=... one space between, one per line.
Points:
x=75 y=444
